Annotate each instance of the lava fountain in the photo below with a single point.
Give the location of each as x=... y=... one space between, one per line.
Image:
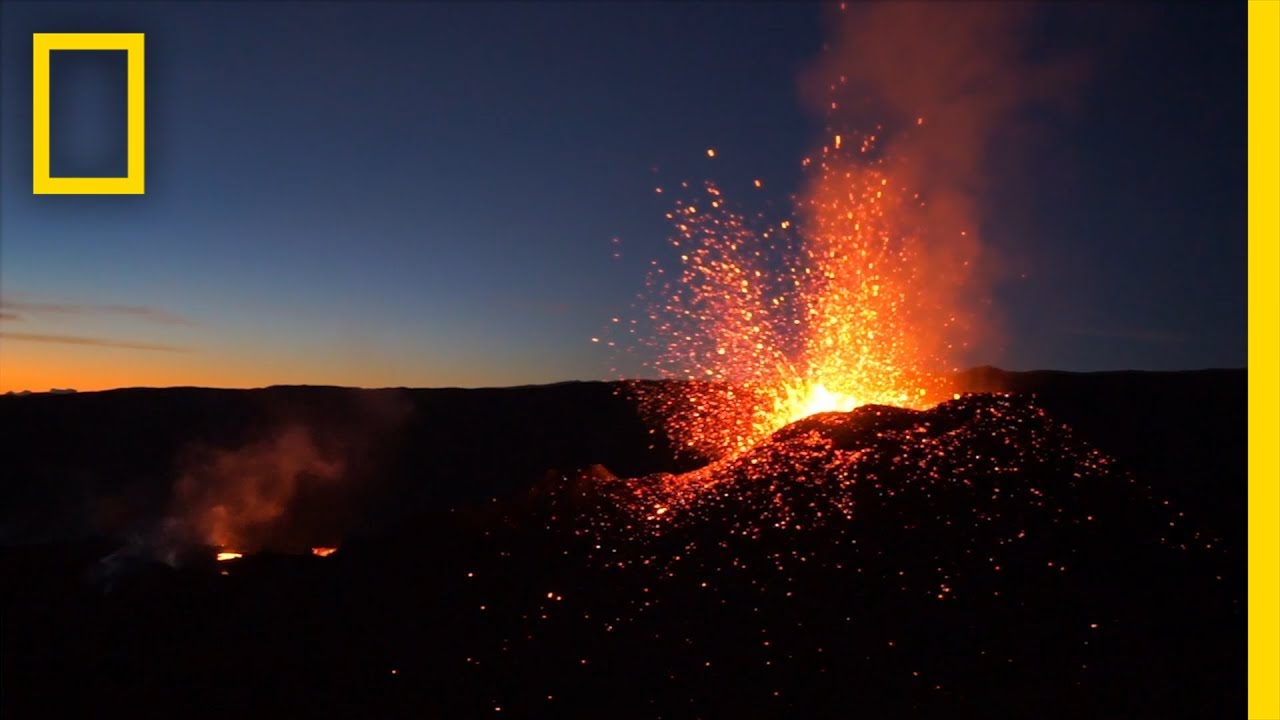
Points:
x=768 y=323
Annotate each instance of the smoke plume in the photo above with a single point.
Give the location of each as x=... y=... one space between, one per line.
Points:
x=233 y=498
x=939 y=86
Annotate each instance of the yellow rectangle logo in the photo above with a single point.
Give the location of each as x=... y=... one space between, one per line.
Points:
x=42 y=44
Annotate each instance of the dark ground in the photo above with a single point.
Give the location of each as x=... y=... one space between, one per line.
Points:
x=446 y=504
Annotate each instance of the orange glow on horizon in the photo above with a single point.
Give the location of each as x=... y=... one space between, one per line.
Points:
x=39 y=367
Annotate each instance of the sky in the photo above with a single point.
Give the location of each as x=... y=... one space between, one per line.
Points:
x=434 y=194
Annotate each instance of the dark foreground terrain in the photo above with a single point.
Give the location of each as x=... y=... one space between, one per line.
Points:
x=1073 y=549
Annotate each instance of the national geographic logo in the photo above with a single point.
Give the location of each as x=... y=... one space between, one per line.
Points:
x=42 y=44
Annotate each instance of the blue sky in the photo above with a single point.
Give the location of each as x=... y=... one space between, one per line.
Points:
x=426 y=193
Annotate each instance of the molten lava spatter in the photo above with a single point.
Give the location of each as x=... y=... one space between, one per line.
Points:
x=882 y=546
x=838 y=465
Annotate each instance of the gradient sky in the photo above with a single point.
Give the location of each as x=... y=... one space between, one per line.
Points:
x=426 y=194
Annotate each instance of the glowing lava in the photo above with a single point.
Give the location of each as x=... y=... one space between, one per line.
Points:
x=816 y=398
x=229 y=555
x=323 y=551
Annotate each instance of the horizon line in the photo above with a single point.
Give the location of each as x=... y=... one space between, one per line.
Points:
x=550 y=383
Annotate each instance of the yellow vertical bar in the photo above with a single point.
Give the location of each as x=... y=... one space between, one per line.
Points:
x=1264 y=358
x=137 y=113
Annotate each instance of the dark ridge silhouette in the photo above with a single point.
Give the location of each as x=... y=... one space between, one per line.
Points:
x=1073 y=548
x=104 y=463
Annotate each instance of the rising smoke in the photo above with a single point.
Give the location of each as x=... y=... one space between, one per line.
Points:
x=942 y=86
x=233 y=498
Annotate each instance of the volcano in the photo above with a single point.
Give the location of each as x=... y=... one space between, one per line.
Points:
x=984 y=458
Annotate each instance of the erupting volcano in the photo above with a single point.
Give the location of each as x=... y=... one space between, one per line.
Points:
x=769 y=324
x=865 y=291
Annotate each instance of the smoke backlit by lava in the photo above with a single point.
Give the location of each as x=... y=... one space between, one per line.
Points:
x=771 y=324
